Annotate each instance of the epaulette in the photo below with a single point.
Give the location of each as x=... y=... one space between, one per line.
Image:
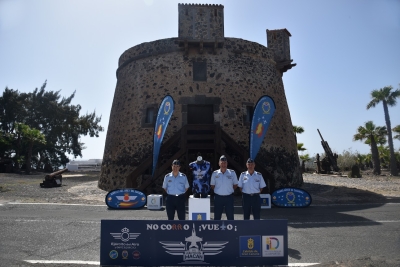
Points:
x=231 y=170
x=215 y=171
x=258 y=173
x=243 y=172
x=183 y=174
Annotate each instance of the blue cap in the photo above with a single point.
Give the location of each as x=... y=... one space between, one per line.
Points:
x=176 y=162
x=250 y=160
x=223 y=158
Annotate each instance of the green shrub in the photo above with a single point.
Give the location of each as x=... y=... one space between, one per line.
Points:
x=355 y=172
x=346 y=160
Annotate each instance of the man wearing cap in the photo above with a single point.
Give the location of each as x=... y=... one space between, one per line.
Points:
x=175 y=184
x=224 y=182
x=251 y=184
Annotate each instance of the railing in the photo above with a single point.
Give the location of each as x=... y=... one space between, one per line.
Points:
x=193 y=137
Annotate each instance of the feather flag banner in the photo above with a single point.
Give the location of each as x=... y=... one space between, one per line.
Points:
x=262 y=116
x=163 y=116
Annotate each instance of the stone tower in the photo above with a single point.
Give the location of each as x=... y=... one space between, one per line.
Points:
x=215 y=82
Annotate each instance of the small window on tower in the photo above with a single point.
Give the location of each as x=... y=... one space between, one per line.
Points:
x=149 y=115
x=249 y=115
x=200 y=71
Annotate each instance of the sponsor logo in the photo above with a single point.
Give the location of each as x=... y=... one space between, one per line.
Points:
x=273 y=246
x=259 y=129
x=124 y=254
x=194 y=248
x=266 y=107
x=136 y=255
x=250 y=246
x=199 y=216
x=126 y=199
x=113 y=254
x=159 y=131
x=291 y=197
x=125 y=236
x=167 y=108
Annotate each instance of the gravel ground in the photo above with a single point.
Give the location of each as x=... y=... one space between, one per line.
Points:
x=82 y=188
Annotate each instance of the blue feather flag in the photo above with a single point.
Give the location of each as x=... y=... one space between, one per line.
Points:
x=163 y=116
x=262 y=116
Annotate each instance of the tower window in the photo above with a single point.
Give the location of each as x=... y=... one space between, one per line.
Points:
x=200 y=71
x=148 y=119
x=149 y=115
x=249 y=113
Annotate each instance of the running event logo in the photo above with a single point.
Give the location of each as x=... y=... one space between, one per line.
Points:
x=194 y=248
x=272 y=246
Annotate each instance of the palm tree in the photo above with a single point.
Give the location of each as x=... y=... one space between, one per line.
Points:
x=304 y=159
x=298 y=129
x=370 y=133
x=300 y=147
x=388 y=98
x=361 y=160
x=397 y=131
x=384 y=155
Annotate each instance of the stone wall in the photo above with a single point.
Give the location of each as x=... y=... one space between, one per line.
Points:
x=237 y=75
x=201 y=22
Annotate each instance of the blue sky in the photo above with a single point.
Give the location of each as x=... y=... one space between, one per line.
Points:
x=343 y=50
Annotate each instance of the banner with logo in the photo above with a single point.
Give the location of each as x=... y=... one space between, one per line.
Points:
x=291 y=197
x=191 y=243
x=163 y=116
x=126 y=199
x=262 y=116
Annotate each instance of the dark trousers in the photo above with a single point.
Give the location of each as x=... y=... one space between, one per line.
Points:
x=175 y=203
x=219 y=203
x=251 y=203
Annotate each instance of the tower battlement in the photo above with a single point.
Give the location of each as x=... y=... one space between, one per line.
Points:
x=201 y=23
x=278 y=41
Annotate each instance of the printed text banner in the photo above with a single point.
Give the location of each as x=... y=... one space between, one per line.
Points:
x=163 y=116
x=180 y=243
x=262 y=116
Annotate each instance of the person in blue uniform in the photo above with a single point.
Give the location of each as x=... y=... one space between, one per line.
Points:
x=175 y=184
x=251 y=184
x=224 y=182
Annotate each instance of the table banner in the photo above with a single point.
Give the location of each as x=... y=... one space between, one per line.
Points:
x=127 y=198
x=290 y=197
x=183 y=243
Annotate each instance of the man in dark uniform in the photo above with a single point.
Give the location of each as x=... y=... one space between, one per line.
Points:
x=224 y=182
x=251 y=184
x=175 y=184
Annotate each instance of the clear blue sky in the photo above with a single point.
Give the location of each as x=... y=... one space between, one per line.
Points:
x=343 y=50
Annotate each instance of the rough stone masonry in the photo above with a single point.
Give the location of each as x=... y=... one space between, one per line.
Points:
x=203 y=67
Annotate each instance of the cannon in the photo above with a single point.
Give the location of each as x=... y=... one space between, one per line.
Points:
x=53 y=179
x=330 y=159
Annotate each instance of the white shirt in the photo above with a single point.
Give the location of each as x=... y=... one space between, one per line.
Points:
x=251 y=183
x=224 y=182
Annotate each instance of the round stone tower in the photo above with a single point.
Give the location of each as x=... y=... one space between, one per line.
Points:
x=215 y=82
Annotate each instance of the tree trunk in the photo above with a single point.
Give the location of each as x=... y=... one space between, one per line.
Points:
x=393 y=163
x=29 y=158
x=375 y=157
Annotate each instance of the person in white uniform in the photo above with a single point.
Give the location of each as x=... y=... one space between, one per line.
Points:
x=251 y=183
x=175 y=184
x=224 y=182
